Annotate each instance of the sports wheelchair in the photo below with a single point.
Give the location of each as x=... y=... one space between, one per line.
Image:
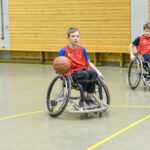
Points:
x=64 y=94
x=138 y=69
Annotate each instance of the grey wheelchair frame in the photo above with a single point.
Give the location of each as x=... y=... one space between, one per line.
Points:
x=138 y=69
x=63 y=95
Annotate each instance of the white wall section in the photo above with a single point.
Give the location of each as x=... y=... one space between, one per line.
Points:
x=139 y=16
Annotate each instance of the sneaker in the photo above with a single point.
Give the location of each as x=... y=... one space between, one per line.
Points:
x=91 y=103
x=90 y=100
x=82 y=103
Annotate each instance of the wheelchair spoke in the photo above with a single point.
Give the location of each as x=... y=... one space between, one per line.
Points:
x=134 y=73
x=57 y=96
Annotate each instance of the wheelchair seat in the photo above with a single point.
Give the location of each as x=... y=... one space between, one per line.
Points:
x=138 y=69
x=64 y=94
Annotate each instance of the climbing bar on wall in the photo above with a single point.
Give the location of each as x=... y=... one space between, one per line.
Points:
x=2 y=20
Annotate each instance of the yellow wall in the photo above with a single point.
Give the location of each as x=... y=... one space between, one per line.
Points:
x=149 y=9
x=42 y=24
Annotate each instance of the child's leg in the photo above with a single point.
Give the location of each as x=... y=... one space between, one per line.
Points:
x=147 y=58
x=91 y=86
x=82 y=76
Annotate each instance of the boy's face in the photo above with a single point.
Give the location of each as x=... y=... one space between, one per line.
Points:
x=147 y=32
x=74 y=38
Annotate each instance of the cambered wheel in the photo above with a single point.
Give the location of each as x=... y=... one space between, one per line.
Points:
x=58 y=95
x=101 y=96
x=134 y=73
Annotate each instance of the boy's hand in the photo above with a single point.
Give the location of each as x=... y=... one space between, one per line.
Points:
x=100 y=74
x=132 y=57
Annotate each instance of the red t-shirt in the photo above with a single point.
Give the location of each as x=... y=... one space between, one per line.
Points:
x=77 y=58
x=144 y=45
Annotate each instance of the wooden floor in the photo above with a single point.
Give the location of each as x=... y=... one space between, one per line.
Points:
x=26 y=125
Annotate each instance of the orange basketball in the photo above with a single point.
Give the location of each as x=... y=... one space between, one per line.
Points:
x=61 y=65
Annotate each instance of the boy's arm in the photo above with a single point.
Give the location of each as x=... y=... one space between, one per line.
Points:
x=93 y=67
x=135 y=43
x=132 y=57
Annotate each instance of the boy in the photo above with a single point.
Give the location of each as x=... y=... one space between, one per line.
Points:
x=142 y=44
x=81 y=67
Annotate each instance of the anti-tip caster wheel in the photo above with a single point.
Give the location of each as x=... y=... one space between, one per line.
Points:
x=100 y=114
x=83 y=116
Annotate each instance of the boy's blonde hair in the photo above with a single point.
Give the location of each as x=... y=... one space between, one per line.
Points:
x=146 y=26
x=72 y=30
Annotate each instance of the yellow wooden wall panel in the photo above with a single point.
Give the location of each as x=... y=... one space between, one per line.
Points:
x=149 y=10
x=42 y=24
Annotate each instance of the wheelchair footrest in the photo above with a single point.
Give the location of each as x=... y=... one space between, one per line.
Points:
x=82 y=110
x=147 y=76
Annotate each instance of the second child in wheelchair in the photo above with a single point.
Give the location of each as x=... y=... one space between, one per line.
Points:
x=142 y=44
x=139 y=67
x=82 y=69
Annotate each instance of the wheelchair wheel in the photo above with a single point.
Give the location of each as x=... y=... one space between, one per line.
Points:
x=58 y=95
x=102 y=96
x=135 y=70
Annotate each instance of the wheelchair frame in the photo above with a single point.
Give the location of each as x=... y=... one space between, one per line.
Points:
x=61 y=97
x=138 y=69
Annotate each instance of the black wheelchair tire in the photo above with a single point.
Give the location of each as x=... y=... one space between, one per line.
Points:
x=104 y=86
x=133 y=86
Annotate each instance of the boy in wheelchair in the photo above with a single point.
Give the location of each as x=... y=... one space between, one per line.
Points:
x=142 y=44
x=82 y=70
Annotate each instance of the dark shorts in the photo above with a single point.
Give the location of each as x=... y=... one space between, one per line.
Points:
x=147 y=57
x=84 y=76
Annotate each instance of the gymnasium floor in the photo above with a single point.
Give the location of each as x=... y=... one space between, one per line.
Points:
x=26 y=125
